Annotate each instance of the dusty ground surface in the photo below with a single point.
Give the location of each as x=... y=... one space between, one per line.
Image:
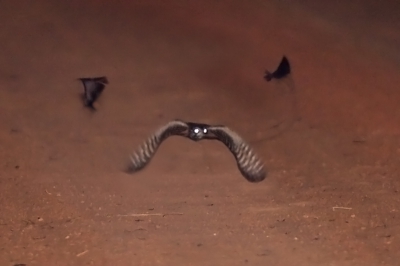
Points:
x=329 y=133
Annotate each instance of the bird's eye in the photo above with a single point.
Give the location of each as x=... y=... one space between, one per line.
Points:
x=196 y=130
x=205 y=130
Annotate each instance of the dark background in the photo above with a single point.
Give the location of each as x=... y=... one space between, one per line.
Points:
x=329 y=133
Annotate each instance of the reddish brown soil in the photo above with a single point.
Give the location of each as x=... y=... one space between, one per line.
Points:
x=329 y=133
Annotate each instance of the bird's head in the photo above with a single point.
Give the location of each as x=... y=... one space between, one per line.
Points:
x=198 y=131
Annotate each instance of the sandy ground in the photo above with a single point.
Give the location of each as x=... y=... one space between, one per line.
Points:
x=328 y=133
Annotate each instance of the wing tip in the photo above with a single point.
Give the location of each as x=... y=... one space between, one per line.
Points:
x=286 y=65
x=131 y=168
x=256 y=177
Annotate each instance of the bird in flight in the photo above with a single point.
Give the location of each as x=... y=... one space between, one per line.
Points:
x=282 y=71
x=249 y=164
x=93 y=88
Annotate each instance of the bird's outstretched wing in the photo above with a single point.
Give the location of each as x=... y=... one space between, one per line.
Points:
x=143 y=155
x=282 y=70
x=93 y=88
x=249 y=164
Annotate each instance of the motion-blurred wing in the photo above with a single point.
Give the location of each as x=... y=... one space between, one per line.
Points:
x=93 y=89
x=282 y=70
x=103 y=80
x=143 y=155
x=249 y=164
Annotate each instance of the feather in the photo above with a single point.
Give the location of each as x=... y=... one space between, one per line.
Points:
x=249 y=164
x=143 y=155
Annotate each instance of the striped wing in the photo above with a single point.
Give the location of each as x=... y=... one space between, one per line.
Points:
x=249 y=164
x=143 y=155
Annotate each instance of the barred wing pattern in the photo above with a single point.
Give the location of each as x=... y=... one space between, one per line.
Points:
x=141 y=157
x=249 y=164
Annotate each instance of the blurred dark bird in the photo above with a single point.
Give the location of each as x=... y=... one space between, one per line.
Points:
x=249 y=164
x=93 y=89
x=282 y=70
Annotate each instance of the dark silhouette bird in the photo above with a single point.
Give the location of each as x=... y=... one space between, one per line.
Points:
x=282 y=70
x=249 y=164
x=93 y=89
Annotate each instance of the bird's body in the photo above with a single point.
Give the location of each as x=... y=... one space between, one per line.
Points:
x=93 y=89
x=282 y=71
x=248 y=162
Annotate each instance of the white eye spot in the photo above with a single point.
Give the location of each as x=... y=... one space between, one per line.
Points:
x=196 y=130
x=205 y=131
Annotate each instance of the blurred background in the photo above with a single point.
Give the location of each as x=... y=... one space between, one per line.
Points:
x=328 y=132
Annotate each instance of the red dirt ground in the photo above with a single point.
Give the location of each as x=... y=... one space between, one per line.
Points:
x=329 y=133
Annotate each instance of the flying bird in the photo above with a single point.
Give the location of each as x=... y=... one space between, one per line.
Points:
x=93 y=88
x=282 y=70
x=249 y=164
